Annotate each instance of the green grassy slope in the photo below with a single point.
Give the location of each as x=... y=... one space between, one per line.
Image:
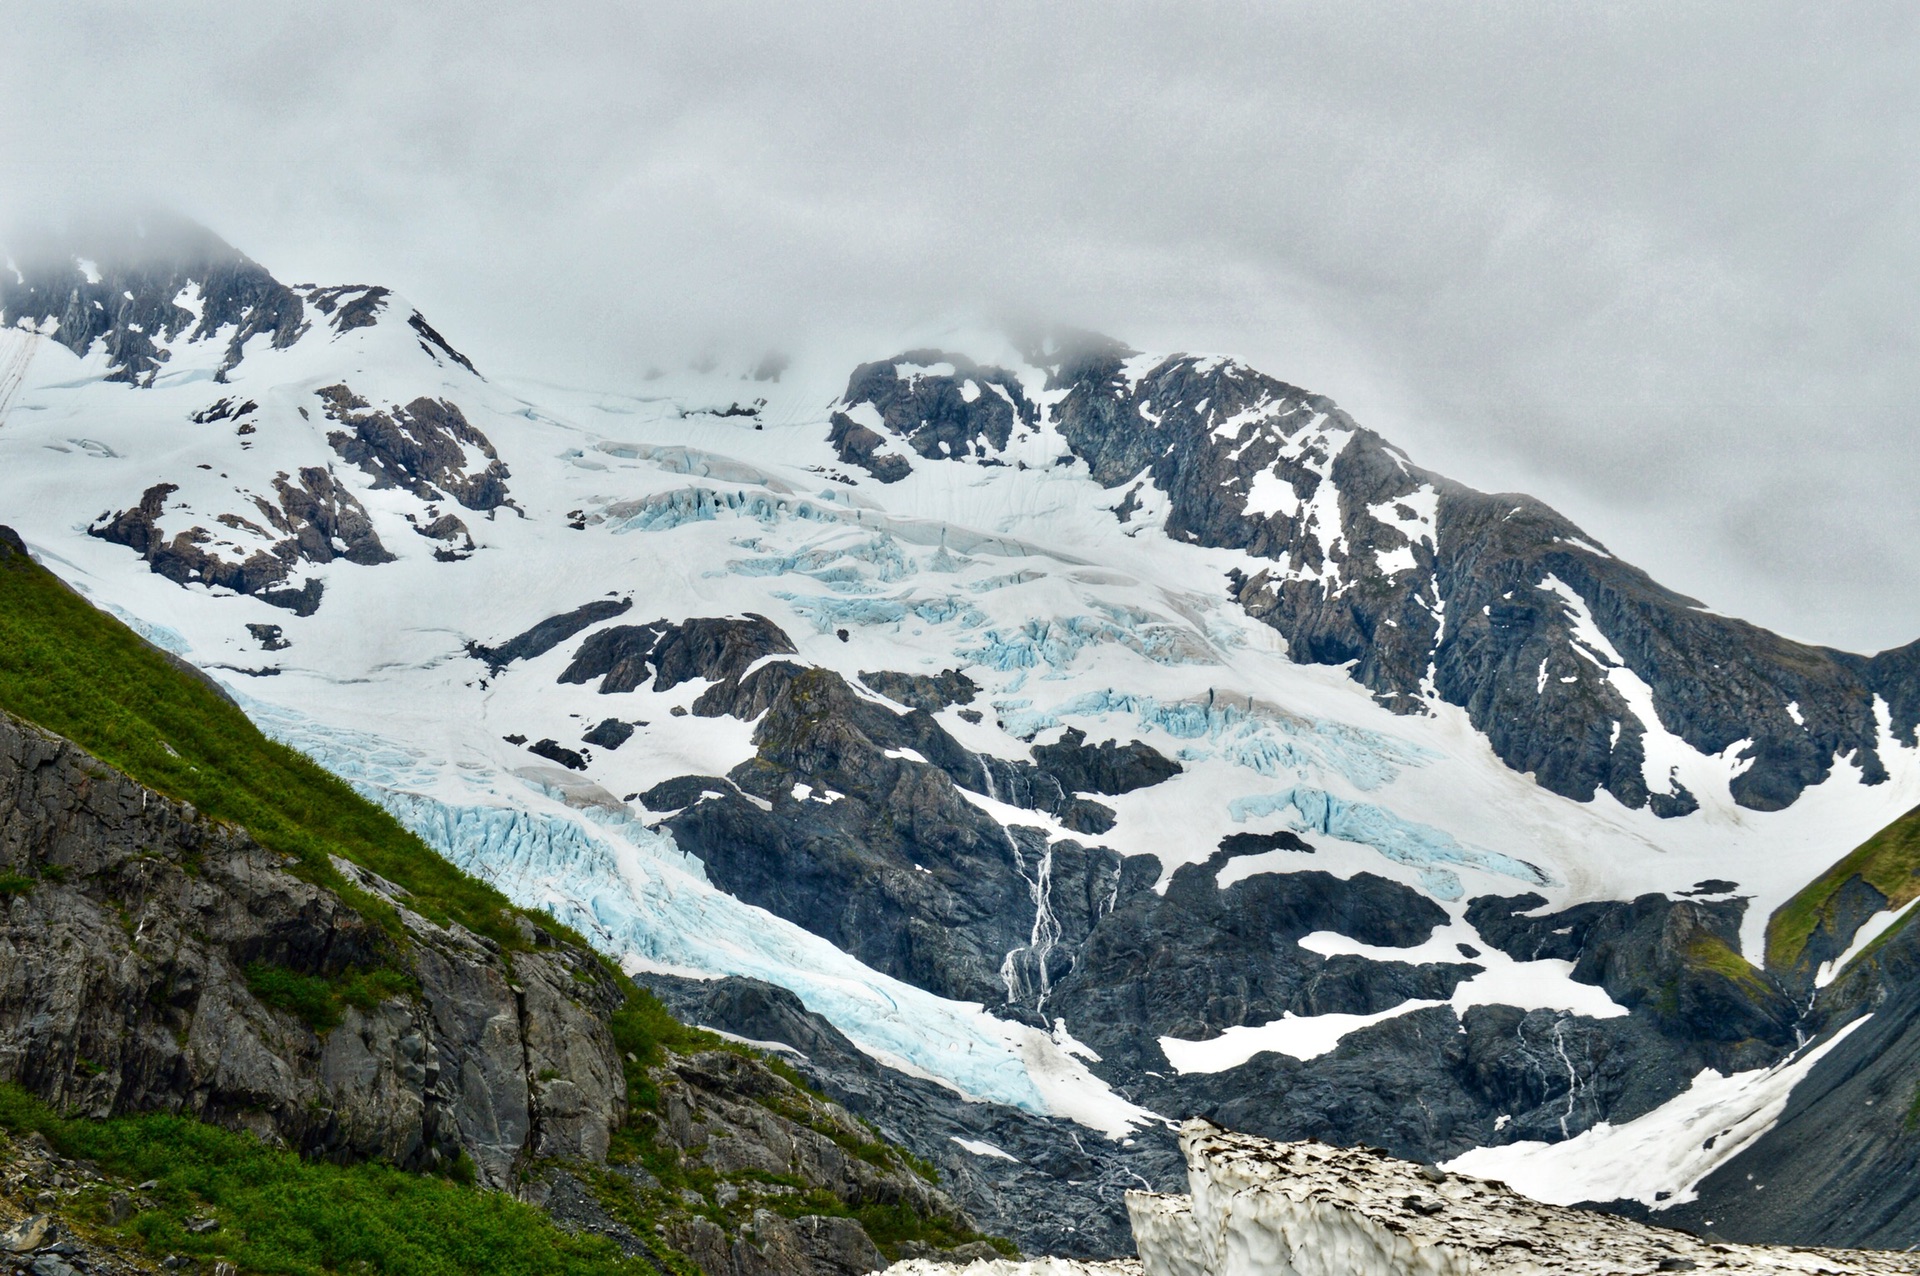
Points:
x=78 y=672
x=1889 y=861
x=279 y=1214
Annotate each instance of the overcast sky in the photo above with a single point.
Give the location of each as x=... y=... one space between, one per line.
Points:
x=1658 y=264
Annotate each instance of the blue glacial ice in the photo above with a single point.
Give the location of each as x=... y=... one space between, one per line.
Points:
x=1265 y=740
x=639 y=898
x=159 y=635
x=1055 y=643
x=1402 y=841
x=664 y=511
x=828 y=613
x=843 y=567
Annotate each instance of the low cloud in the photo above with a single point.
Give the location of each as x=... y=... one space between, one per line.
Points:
x=1654 y=265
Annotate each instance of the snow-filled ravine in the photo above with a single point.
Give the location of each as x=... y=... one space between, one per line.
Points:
x=713 y=494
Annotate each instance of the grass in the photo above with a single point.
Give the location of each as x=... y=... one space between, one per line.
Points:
x=1707 y=951
x=321 y=1001
x=1889 y=861
x=279 y=1214
x=76 y=671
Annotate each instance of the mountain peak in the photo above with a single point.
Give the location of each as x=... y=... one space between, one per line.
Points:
x=138 y=287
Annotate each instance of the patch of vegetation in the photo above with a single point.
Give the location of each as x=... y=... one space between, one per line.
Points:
x=278 y=1214
x=1707 y=951
x=645 y=1033
x=1889 y=861
x=1913 y=1108
x=320 y=1001
x=12 y=884
x=76 y=671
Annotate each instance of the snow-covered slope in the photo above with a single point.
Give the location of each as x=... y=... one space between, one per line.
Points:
x=340 y=518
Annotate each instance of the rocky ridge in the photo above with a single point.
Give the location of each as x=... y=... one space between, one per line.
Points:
x=138 y=290
x=852 y=821
x=115 y=998
x=1576 y=666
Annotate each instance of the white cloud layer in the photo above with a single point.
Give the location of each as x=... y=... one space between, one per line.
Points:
x=1654 y=263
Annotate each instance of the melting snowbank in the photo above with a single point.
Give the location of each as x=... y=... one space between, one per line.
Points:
x=1657 y=1159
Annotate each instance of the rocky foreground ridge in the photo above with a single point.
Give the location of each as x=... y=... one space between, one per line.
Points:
x=1310 y=1209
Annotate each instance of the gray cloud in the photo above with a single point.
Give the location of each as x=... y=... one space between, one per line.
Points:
x=1656 y=264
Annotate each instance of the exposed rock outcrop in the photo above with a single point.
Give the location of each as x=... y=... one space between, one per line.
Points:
x=139 y=943
x=138 y=289
x=1568 y=659
x=716 y=648
x=931 y=693
x=548 y=634
x=151 y=960
x=1678 y=960
x=1053 y=1187
x=312 y=520
x=943 y=406
x=427 y=448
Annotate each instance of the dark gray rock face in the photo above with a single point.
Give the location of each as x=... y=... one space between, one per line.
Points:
x=269 y=637
x=554 y=751
x=719 y=649
x=1108 y=767
x=435 y=346
x=1492 y=602
x=882 y=854
x=747 y=697
x=124 y=987
x=611 y=733
x=968 y=413
x=421 y=448
x=1062 y=1191
x=756 y=1133
x=548 y=634
x=349 y=306
x=1675 y=960
x=1234 y=845
x=921 y=691
x=1197 y=960
x=306 y=521
x=1842 y=1164
x=1430 y=1084
x=1027 y=786
x=878 y=853
x=122 y=287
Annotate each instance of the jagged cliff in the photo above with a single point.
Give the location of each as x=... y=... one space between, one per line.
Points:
x=158 y=961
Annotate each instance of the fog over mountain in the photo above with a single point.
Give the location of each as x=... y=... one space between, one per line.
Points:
x=1654 y=266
